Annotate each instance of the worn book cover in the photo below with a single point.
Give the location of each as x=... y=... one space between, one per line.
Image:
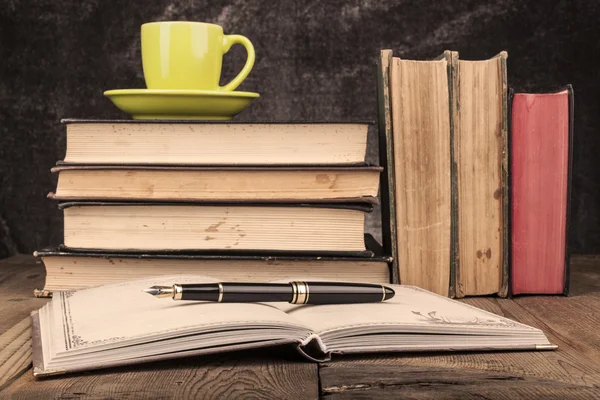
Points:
x=541 y=138
x=192 y=183
x=386 y=160
x=70 y=270
x=306 y=228
x=481 y=168
x=418 y=139
x=170 y=142
x=445 y=194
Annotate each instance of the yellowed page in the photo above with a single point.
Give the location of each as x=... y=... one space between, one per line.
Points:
x=479 y=167
x=421 y=130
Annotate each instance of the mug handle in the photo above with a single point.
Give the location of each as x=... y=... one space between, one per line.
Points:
x=228 y=41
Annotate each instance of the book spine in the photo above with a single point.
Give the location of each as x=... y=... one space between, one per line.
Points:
x=567 y=277
x=480 y=152
x=421 y=130
x=511 y=95
x=454 y=243
x=541 y=158
x=386 y=155
x=503 y=292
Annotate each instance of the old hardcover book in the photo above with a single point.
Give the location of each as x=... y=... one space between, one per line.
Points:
x=118 y=324
x=224 y=183
x=386 y=159
x=541 y=144
x=214 y=143
x=315 y=228
x=421 y=140
x=67 y=270
x=480 y=153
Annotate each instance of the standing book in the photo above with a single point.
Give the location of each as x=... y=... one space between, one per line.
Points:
x=541 y=146
x=386 y=159
x=419 y=98
x=481 y=168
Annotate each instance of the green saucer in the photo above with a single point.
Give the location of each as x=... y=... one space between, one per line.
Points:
x=180 y=104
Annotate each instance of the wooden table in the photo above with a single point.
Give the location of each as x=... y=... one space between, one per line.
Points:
x=573 y=371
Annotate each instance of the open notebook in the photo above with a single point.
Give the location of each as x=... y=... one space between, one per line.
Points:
x=118 y=324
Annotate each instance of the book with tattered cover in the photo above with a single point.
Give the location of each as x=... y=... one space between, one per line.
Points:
x=481 y=173
x=316 y=229
x=224 y=183
x=118 y=324
x=541 y=156
x=415 y=143
x=71 y=270
x=174 y=142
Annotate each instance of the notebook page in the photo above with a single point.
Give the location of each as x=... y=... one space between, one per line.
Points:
x=121 y=311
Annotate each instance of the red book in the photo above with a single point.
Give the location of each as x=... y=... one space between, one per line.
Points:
x=541 y=126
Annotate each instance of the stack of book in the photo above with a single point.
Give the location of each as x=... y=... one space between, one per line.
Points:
x=241 y=201
x=459 y=223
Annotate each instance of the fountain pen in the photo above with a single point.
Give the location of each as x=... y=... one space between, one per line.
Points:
x=293 y=292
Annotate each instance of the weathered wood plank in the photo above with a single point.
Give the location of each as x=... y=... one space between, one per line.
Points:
x=572 y=320
x=411 y=381
x=19 y=276
x=565 y=366
x=585 y=275
x=414 y=382
x=471 y=393
x=552 y=366
x=252 y=374
x=15 y=352
x=19 y=259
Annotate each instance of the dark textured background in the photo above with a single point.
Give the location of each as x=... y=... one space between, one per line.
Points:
x=315 y=60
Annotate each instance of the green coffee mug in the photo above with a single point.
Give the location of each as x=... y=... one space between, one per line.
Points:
x=189 y=55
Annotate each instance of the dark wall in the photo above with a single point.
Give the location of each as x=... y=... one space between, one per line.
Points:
x=315 y=60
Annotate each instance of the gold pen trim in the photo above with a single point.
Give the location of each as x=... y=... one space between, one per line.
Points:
x=220 y=292
x=295 y=293
x=383 y=289
x=301 y=299
x=307 y=292
x=177 y=292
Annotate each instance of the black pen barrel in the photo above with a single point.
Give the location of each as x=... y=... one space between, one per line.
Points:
x=237 y=292
x=293 y=292
x=255 y=292
x=342 y=293
x=199 y=292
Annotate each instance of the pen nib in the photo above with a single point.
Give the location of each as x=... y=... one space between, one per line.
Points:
x=159 y=291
